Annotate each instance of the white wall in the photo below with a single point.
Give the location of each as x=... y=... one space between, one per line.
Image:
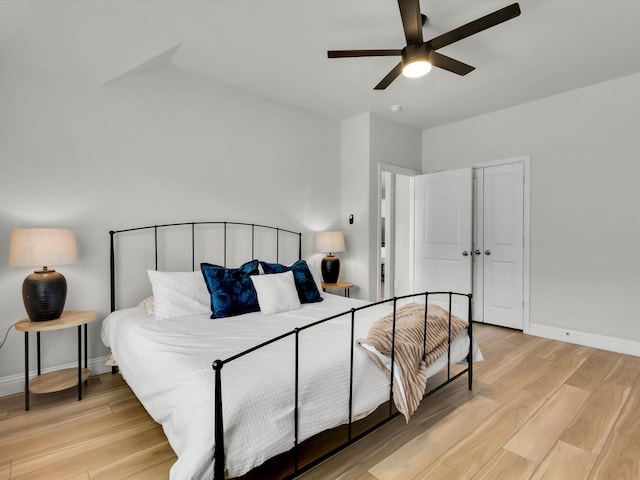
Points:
x=354 y=185
x=584 y=144
x=366 y=141
x=156 y=147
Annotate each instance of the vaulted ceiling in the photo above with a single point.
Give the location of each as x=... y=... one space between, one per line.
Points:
x=277 y=49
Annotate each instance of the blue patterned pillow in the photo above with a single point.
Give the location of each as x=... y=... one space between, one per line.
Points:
x=231 y=289
x=305 y=284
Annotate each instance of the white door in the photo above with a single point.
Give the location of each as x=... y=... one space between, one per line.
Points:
x=443 y=210
x=502 y=252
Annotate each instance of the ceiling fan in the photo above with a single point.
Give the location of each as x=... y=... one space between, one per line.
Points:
x=418 y=56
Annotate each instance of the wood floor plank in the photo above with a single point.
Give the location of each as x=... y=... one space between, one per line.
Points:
x=21 y=420
x=81 y=476
x=491 y=370
x=593 y=370
x=512 y=382
x=156 y=472
x=440 y=471
x=492 y=333
x=37 y=437
x=475 y=450
x=73 y=436
x=497 y=347
x=619 y=459
x=513 y=345
x=506 y=466
x=124 y=403
x=57 y=453
x=625 y=371
x=458 y=393
x=534 y=440
x=139 y=462
x=497 y=364
x=360 y=476
x=549 y=349
x=97 y=458
x=595 y=420
x=565 y=462
x=629 y=418
x=5 y=470
x=554 y=376
x=409 y=460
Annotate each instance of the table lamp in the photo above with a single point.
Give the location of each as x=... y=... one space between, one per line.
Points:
x=330 y=243
x=44 y=291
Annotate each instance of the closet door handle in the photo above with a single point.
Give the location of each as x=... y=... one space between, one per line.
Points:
x=465 y=254
x=487 y=252
x=477 y=252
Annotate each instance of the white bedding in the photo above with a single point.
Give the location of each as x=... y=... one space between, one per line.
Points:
x=167 y=363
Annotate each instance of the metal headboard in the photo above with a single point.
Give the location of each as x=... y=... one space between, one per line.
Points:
x=156 y=228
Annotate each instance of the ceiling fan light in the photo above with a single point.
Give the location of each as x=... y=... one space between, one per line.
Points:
x=416 y=68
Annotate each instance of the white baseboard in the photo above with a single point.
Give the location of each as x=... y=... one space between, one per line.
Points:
x=613 y=344
x=15 y=383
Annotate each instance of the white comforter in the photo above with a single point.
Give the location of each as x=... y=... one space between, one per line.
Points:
x=167 y=364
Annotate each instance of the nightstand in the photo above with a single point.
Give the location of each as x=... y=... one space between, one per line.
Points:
x=345 y=285
x=59 y=379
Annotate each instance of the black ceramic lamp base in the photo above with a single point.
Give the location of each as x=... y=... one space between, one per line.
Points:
x=44 y=293
x=330 y=267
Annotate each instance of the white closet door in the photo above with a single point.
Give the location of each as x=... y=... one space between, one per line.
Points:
x=503 y=245
x=443 y=234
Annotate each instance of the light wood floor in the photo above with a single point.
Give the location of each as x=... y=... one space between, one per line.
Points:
x=540 y=409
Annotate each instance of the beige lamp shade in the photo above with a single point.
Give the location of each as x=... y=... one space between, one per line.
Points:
x=330 y=242
x=33 y=247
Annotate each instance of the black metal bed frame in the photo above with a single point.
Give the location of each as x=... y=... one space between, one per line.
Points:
x=218 y=364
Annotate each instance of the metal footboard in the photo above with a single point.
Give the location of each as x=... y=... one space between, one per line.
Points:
x=217 y=365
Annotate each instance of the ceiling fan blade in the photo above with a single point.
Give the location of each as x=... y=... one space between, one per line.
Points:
x=471 y=28
x=391 y=76
x=411 y=20
x=363 y=53
x=450 y=64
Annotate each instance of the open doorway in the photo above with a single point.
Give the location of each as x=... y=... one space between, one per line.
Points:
x=395 y=231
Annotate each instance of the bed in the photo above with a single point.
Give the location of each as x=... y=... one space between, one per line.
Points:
x=234 y=393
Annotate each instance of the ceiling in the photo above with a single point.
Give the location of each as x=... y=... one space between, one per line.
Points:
x=277 y=49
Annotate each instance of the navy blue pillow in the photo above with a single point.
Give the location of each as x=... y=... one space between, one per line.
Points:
x=231 y=289
x=305 y=284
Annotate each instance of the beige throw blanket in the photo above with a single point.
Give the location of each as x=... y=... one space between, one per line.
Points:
x=410 y=357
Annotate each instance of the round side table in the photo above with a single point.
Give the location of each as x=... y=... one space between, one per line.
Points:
x=58 y=379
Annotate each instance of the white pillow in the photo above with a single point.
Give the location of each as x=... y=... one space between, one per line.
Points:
x=176 y=294
x=276 y=292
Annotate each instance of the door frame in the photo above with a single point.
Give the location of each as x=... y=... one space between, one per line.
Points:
x=396 y=169
x=526 y=259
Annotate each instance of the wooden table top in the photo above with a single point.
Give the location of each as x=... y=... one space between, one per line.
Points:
x=69 y=318
x=337 y=285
